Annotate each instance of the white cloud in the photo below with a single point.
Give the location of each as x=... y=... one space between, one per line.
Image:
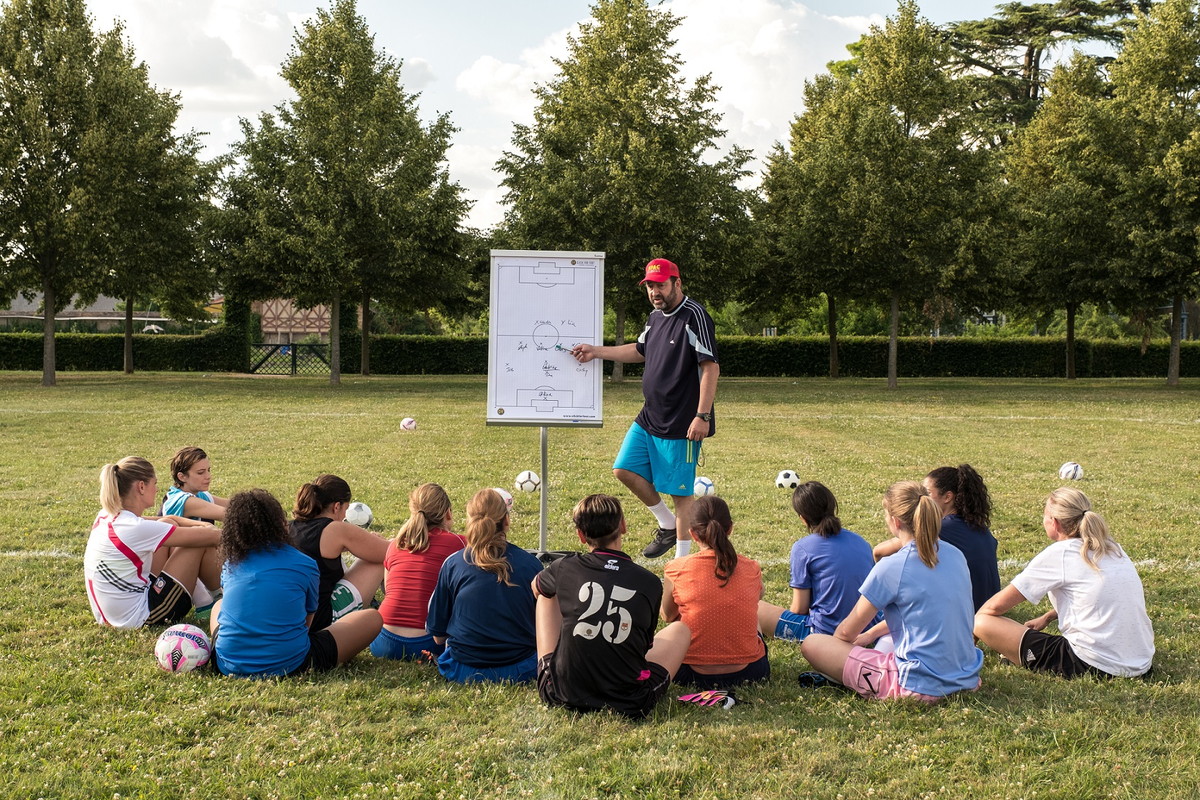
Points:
x=507 y=88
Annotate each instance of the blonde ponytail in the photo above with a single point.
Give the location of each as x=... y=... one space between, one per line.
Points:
x=1073 y=511
x=428 y=506
x=910 y=503
x=116 y=480
x=486 y=541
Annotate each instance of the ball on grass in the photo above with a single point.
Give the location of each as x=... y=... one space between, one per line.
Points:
x=787 y=479
x=703 y=486
x=1070 y=471
x=182 y=648
x=528 y=481
x=359 y=514
x=408 y=424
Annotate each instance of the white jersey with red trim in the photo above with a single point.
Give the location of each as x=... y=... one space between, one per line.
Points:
x=116 y=566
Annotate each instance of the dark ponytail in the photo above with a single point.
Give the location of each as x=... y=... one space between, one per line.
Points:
x=971 y=499
x=313 y=498
x=710 y=525
x=817 y=506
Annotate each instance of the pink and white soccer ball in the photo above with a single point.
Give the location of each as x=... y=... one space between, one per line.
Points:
x=182 y=648
x=505 y=494
x=408 y=424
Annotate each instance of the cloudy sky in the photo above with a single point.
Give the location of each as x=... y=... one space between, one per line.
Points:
x=477 y=60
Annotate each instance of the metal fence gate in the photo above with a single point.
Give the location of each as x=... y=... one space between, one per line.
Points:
x=289 y=359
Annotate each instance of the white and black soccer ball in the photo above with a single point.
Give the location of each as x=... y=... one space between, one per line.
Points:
x=182 y=648
x=504 y=493
x=1070 y=471
x=703 y=486
x=408 y=424
x=528 y=481
x=787 y=479
x=359 y=514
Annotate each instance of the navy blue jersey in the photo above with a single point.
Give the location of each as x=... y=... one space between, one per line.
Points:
x=674 y=343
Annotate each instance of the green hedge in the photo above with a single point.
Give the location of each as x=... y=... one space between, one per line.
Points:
x=225 y=349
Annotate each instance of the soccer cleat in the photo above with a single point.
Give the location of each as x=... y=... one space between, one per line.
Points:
x=662 y=542
x=813 y=680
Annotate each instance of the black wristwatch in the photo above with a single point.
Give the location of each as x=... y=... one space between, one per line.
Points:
x=705 y=415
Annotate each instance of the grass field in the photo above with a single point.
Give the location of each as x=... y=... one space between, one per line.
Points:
x=85 y=712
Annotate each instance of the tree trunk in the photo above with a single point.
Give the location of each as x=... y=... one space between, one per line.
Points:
x=1176 y=326
x=618 y=370
x=834 y=366
x=128 y=335
x=366 y=334
x=49 y=301
x=893 y=340
x=335 y=341
x=1071 y=307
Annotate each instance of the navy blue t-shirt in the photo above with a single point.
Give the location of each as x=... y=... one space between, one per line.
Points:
x=978 y=545
x=487 y=623
x=674 y=343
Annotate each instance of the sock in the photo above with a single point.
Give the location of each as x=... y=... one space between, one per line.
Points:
x=201 y=596
x=682 y=547
x=664 y=515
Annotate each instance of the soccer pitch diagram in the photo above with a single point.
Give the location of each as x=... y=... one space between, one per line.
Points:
x=542 y=305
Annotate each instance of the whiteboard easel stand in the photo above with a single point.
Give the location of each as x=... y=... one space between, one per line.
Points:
x=543 y=536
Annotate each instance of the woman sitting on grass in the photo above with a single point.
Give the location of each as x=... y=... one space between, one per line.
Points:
x=827 y=567
x=1095 y=594
x=482 y=608
x=320 y=531
x=191 y=474
x=412 y=563
x=966 y=508
x=262 y=626
x=716 y=593
x=142 y=570
x=924 y=592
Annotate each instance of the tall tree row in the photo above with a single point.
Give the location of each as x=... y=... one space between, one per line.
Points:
x=622 y=158
x=89 y=166
x=342 y=194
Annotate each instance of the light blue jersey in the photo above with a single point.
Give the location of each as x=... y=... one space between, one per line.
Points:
x=929 y=615
x=176 y=497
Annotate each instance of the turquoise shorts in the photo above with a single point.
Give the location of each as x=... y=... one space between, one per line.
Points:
x=669 y=464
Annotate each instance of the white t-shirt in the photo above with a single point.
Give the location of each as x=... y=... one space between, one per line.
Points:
x=116 y=566
x=1102 y=613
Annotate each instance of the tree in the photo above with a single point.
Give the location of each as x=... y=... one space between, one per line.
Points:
x=147 y=202
x=1004 y=56
x=1156 y=108
x=1064 y=195
x=342 y=193
x=53 y=152
x=803 y=221
x=621 y=158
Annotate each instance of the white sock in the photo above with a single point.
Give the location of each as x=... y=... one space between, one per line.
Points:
x=664 y=515
x=201 y=596
x=682 y=547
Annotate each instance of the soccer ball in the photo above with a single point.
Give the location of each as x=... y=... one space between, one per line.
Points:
x=408 y=424
x=1070 y=471
x=505 y=494
x=788 y=479
x=528 y=481
x=703 y=486
x=359 y=514
x=182 y=648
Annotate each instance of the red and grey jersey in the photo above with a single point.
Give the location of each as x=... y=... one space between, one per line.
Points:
x=674 y=344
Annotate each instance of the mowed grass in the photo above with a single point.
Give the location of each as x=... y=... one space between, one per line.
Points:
x=85 y=712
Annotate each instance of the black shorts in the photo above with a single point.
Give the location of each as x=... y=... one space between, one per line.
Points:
x=322 y=653
x=169 y=601
x=639 y=705
x=1047 y=652
x=753 y=672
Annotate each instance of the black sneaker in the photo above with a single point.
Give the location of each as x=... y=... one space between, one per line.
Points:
x=663 y=541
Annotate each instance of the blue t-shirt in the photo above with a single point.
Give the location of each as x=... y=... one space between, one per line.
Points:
x=176 y=497
x=978 y=545
x=832 y=568
x=674 y=343
x=487 y=623
x=268 y=596
x=929 y=617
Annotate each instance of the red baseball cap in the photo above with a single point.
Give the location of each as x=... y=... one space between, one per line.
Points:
x=659 y=270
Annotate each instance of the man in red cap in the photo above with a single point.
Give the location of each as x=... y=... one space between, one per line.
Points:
x=679 y=383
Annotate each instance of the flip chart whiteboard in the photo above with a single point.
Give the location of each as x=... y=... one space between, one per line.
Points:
x=543 y=303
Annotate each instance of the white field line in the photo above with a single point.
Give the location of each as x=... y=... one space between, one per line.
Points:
x=261 y=413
